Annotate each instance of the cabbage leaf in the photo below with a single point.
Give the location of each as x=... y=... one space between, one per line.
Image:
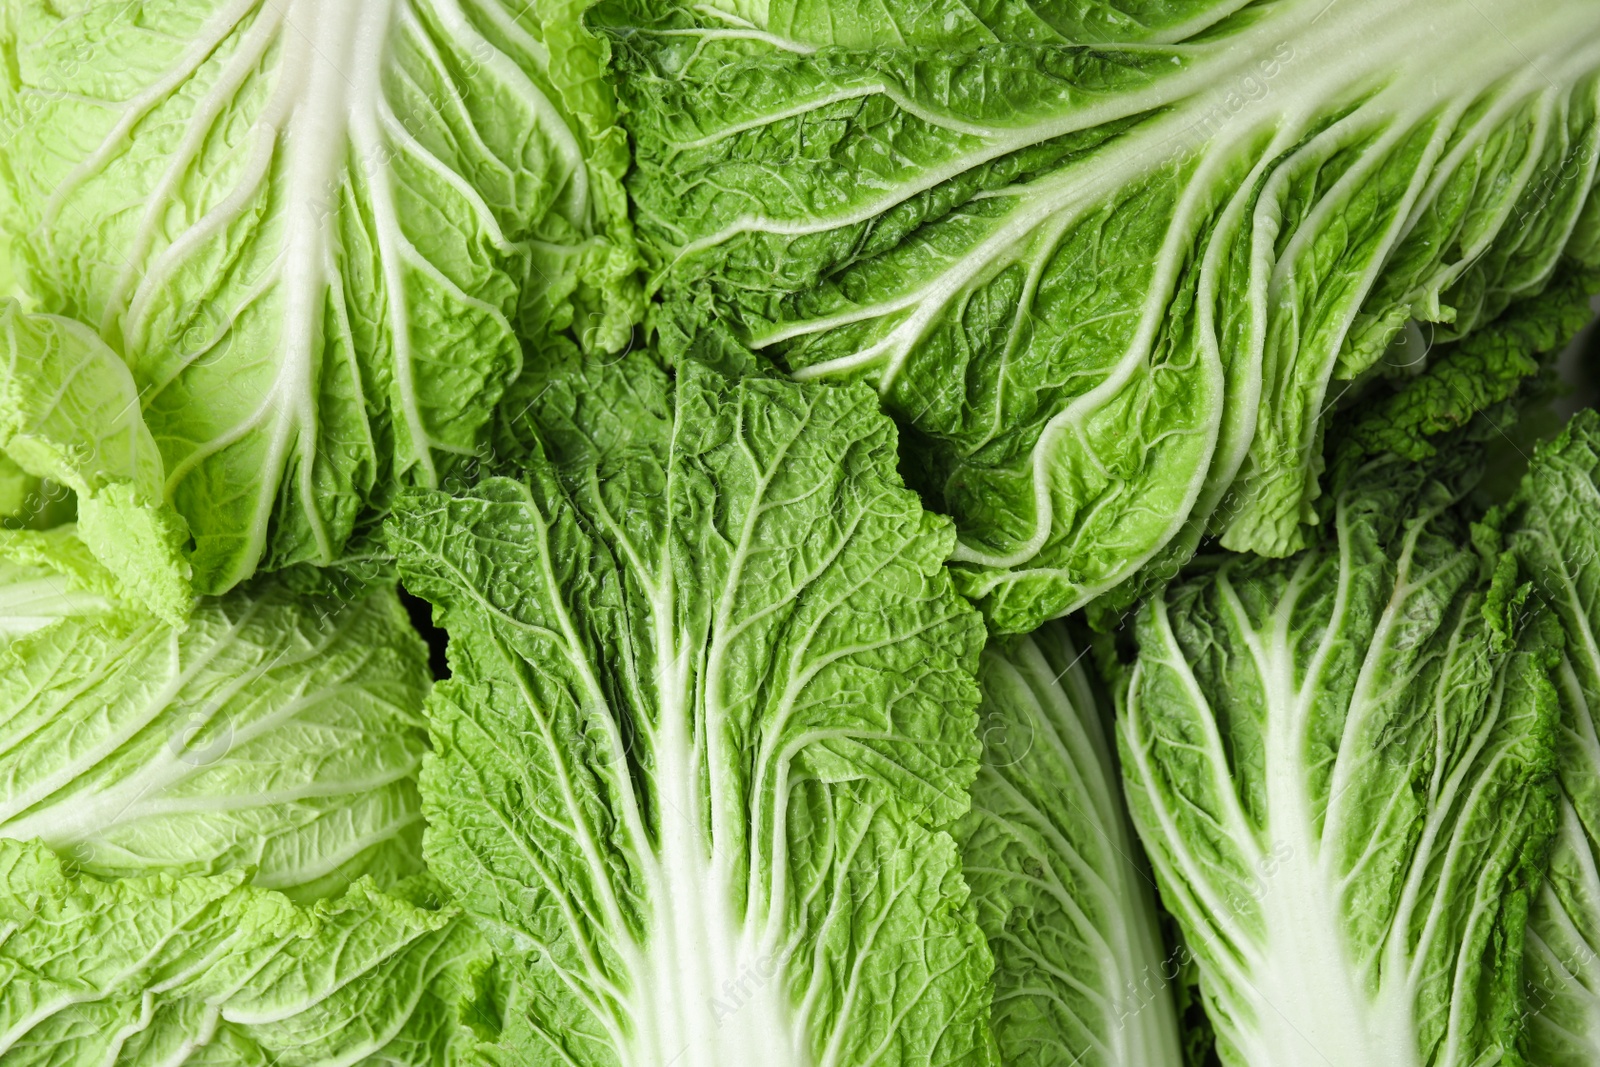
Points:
x=313 y=232
x=277 y=732
x=1342 y=767
x=710 y=714
x=1110 y=291
x=1056 y=876
x=1553 y=527
x=69 y=413
x=209 y=970
x=49 y=576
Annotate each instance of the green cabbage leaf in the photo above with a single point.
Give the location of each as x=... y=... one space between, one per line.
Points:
x=1553 y=528
x=1342 y=767
x=710 y=716
x=316 y=235
x=277 y=732
x=1111 y=292
x=69 y=414
x=1057 y=878
x=206 y=971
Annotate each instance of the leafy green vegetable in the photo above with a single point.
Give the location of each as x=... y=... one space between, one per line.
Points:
x=313 y=231
x=303 y=298
x=28 y=501
x=277 y=732
x=15 y=485
x=1109 y=291
x=711 y=710
x=953 y=23
x=1079 y=973
x=201 y=971
x=1554 y=528
x=69 y=412
x=1470 y=375
x=1341 y=764
x=50 y=576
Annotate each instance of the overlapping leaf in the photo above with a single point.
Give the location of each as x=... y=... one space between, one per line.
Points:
x=1554 y=529
x=1110 y=292
x=277 y=733
x=209 y=971
x=1080 y=975
x=313 y=231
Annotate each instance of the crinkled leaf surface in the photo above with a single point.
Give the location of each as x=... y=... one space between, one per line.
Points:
x=1080 y=977
x=1470 y=375
x=210 y=971
x=711 y=707
x=1110 y=292
x=15 y=486
x=311 y=230
x=1554 y=529
x=28 y=502
x=1341 y=765
x=955 y=23
x=277 y=732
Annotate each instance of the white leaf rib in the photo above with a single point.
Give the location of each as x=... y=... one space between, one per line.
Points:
x=135 y=110
x=1470 y=146
x=551 y=120
x=511 y=27
x=407 y=143
x=198 y=127
x=1340 y=780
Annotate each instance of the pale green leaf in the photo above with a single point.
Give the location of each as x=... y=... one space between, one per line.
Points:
x=1056 y=875
x=277 y=732
x=200 y=971
x=313 y=232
